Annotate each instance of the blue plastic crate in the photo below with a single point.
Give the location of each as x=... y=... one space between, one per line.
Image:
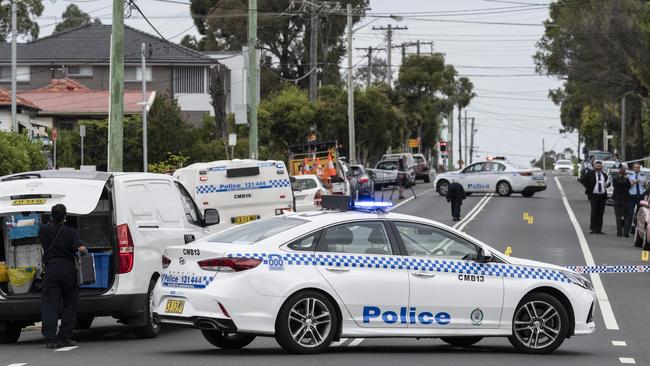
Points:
x=102 y=271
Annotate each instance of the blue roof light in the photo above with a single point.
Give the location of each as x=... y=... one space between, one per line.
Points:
x=372 y=206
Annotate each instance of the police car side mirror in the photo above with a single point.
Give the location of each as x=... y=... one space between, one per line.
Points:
x=210 y=217
x=292 y=179
x=483 y=257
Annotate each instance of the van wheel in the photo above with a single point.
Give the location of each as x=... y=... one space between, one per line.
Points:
x=84 y=322
x=151 y=328
x=427 y=179
x=307 y=323
x=504 y=189
x=225 y=340
x=461 y=341
x=540 y=324
x=11 y=334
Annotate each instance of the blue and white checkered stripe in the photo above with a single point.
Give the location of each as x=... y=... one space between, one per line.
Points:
x=610 y=269
x=408 y=263
x=271 y=183
x=200 y=282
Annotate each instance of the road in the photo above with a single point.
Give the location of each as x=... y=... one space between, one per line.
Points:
x=498 y=221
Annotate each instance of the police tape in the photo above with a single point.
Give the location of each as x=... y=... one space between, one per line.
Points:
x=610 y=269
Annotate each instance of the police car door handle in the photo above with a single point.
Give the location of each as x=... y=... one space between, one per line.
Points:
x=423 y=274
x=338 y=269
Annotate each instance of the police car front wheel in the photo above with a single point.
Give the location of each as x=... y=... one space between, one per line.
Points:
x=540 y=324
x=226 y=340
x=307 y=323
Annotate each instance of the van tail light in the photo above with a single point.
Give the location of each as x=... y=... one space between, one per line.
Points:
x=363 y=180
x=125 y=249
x=318 y=197
x=229 y=264
x=166 y=261
x=526 y=174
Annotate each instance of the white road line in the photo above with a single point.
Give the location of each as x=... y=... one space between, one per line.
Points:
x=471 y=212
x=17 y=364
x=356 y=342
x=461 y=225
x=66 y=349
x=619 y=343
x=627 y=360
x=410 y=198
x=340 y=342
x=603 y=300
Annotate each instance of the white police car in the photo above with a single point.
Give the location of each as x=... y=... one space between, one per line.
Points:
x=498 y=176
x=309 y=279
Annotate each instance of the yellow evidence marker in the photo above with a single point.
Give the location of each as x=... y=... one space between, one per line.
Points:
x=645 y=255
x=526 y=216
x=531 y=220
x=508 y=251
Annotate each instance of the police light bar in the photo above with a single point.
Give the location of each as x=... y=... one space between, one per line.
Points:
x=372 y=206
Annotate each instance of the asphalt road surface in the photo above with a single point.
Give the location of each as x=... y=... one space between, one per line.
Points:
x=622 y=336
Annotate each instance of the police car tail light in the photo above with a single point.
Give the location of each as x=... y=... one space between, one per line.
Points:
x=526 y=174
x=124 y=249
x=229 y=264
x=166 y=261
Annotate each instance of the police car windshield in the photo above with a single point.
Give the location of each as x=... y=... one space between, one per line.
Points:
x=257 y=230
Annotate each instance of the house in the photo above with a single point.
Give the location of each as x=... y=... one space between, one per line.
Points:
x=235 y=78
x=82 y=54
x=26 y=114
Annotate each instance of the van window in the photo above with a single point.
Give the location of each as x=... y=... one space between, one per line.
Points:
x=302 y=184
x=387 y=165
x=140 y=201
x=257 y=230
x=189 y=206
x=167 y=207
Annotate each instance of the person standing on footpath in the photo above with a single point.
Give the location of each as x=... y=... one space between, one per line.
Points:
x=60 y=292
x=595 y=189
x=637 y=189
x=621 y=197
x=455 y=195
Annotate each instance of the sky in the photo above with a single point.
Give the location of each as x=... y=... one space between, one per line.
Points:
x=489 y=41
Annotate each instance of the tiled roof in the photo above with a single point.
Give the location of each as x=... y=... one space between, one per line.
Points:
x=82 y=102
x=5 y=100
x=63 y=85
x=90 y=44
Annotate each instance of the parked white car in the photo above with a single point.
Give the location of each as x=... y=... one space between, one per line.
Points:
x=308 y=191
x=125 y=220
x=498 y=176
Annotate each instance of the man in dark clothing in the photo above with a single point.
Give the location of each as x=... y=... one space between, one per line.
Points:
x=61 y=288
x=455 y=195
x=594 y=182
x=621 y=197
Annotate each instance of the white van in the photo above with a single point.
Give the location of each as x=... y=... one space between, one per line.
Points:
x=242 y=190
x=125 y=219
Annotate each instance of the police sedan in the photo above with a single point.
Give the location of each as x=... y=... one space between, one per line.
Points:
x=310 y=279
x=498 y=176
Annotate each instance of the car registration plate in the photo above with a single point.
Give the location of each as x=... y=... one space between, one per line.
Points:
x=26 y=202
x=175 y=306
x=237 y=220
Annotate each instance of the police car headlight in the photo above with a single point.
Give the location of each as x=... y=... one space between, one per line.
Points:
x=578 y=279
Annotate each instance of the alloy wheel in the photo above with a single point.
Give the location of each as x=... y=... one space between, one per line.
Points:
x=537 y=324
x=310 y=322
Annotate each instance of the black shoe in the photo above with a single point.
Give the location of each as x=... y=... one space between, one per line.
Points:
x=626 y=235
x=66 y=343
x=456 y=219
x=593 y=232
x=50 y=345
x=619 y=235
x=600 y=232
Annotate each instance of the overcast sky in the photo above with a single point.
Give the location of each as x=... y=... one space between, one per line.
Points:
x=512 y=112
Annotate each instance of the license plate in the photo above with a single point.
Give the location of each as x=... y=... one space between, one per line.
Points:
x=175 y=306
x=237 y=220
x=26 y=202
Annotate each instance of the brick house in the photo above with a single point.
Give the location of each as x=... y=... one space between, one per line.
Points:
x=82 y=54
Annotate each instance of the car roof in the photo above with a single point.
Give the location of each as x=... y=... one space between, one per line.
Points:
x=64 y=174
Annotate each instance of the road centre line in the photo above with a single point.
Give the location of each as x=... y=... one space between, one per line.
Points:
x=477 y=209
x=603 y=301
x=17 y=364
x=619 y=343
x=409 y=199
x=356 y=342
x=627 y=360
x=66 y=349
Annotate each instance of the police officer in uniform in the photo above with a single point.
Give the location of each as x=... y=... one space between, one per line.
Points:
x=61 y=288
x=455 y=195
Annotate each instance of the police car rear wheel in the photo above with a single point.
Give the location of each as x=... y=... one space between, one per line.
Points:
x=527 y=194
x=11 y=334
x=443 y=187
x=540 y=324
x=226 y=340
x=307 y=323
x=504 y=189
x=461 y=341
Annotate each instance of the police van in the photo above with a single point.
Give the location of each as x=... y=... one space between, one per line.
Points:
x=242 y=190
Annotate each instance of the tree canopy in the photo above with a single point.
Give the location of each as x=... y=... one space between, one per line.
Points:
x=27 y=12
x=72 y=17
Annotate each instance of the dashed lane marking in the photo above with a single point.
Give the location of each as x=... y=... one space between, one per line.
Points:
x=410 y=198
x=66 y=349
x=17 y=364
x=603 y=301
x=619 y=343
x=356 y=342
x=627 y=360
x=340 y=342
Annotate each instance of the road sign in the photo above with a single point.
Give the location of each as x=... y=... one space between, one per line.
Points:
x=55 y=134
x=82 y=131
x=413 y=143
x=241 y=111
x=232 y=139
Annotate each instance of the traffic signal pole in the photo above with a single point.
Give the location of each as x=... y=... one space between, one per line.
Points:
x=253 y=86
x=116 y=112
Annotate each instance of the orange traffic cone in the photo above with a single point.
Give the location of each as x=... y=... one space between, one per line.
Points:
x=317 y=168
x=331 y=170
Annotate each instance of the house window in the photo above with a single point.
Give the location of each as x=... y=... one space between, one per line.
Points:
x=22 y=73
x=190 y=79
x=80 y=71
x=134 y=73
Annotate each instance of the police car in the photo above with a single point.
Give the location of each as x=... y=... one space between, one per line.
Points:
x=309 y=279
x=502 y=177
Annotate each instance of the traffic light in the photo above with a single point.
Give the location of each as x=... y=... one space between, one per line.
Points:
x=443 y=146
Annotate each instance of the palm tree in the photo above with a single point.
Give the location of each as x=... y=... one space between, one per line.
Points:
x=463 y=95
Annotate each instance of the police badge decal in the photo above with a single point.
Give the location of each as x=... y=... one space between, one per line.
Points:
x=477 y=317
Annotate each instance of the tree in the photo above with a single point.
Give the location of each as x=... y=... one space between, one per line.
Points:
x=72 y=17
x=379 y=72
x=27 y=12
x=167 y=132
x=18 y=154
x=463 y=95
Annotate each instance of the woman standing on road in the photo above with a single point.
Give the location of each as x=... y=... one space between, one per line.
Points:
x=622 y=201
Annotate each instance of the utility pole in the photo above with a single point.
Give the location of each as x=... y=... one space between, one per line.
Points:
x=543 y=156
x=471 y=142
x=389 y=40
x=116 y=113
x=313 y=53
x=370 y=65
x=14 y=37
x=460 y=142
x=352 y=156
x=450 y=139
x=253 y=86
x=623 y=120
x=465 y=147
x=145 y=150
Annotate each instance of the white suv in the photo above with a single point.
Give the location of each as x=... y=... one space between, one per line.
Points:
x=125 y=219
